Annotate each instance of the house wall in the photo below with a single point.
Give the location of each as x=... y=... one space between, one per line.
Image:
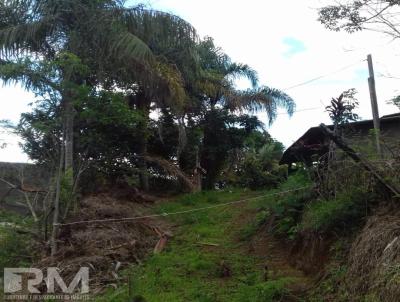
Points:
x=363 y=140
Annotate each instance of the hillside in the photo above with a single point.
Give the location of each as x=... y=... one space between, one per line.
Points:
x=164 y=170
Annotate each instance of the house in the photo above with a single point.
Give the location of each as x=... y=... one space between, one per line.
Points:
x=314 y=144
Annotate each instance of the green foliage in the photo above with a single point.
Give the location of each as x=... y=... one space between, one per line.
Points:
x=260 y=165
x=219 y=106
x=336 y=214
x=395 y=101
x=86 y=50
x=250 y=229
x=16 y=248
x=223 y=134
x=287 y=208
x=341 y=109
x=189 y=270
x=331 y=286
x=164 y=136
x=355 y=15
x=274 y=290
x=107 y=130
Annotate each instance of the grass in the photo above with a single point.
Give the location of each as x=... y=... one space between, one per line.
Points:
x=286 y=209
x=335 y=214
x=190 y=270
x=15 y=249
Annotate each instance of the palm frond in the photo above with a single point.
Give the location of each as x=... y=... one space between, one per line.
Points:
x=34 y=76
x=259 y=99
x=16 y=39
x=153 y=25
x=237 y=71
x=27 y=25
x=127 y=45
x=172 y=85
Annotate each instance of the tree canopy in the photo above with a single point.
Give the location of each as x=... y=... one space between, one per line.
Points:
x=119 y=85
x=355 y=15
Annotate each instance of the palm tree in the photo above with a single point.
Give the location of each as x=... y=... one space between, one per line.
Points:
x=118 y=44
x=219 y=81
x=102 y=37
x=217 y=92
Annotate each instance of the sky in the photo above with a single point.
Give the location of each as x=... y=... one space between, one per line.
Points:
x=283 y=41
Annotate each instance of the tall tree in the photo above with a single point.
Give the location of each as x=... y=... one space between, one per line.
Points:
x=105 y=35
x=355 y=15
x=216 y=100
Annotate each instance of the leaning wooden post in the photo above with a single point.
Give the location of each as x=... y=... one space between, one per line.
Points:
x=374 y=104
x=357 y=158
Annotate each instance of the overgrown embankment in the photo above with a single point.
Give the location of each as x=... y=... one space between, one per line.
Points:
x=286 y=244
x=220 y=254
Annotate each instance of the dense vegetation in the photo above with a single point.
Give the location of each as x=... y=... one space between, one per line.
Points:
x=100 y=70
x=132 y=107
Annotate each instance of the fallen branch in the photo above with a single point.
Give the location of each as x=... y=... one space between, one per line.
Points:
x=160 y=245
x=208 y=243
x=173 y=170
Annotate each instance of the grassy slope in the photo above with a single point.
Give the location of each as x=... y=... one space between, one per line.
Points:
x=189 y=270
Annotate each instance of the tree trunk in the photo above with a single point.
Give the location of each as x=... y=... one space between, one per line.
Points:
x=56 y=213
x=69 y=136
x=144 y=107
x=143 y=174
x=197 y=172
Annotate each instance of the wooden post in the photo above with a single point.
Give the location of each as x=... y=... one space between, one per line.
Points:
x=359 y=159
x=374 y=103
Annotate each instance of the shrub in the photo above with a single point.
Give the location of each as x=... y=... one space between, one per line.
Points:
x=288 y=208
x=15 y=248
x=255 y=175
x=335 y=214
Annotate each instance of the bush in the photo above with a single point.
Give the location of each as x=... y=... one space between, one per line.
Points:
x=288 y=208
x=15 y=249
x=259 y=167
x=254 y=175
x=336 y=214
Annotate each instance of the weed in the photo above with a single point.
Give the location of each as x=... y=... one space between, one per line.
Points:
x=287 y=208
x=251 y=228
x=15 y=248
x=269 y=291
x=187 y=270
x=335 y=214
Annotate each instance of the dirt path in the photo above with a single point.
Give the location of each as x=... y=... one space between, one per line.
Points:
x=213 y=258
x=274 y=256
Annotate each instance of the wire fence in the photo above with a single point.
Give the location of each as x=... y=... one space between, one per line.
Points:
x=112 y=220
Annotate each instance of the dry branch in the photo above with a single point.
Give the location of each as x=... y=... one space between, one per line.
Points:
x=173 y=170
